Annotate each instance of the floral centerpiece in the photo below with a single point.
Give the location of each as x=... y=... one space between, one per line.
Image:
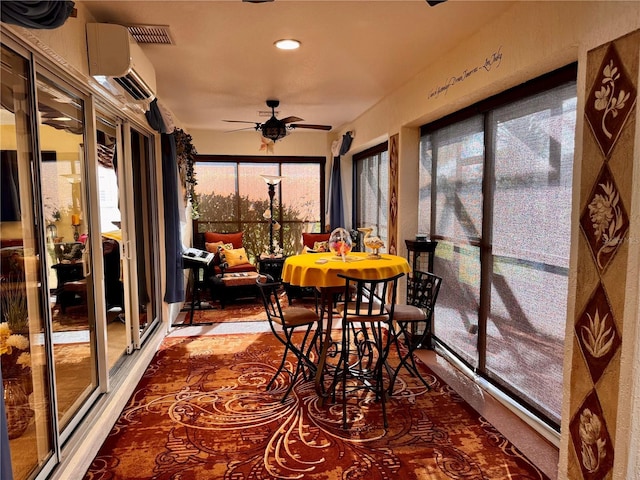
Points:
x=15 y=361
x=340 y=243
x=14 y=353
x=14 y=345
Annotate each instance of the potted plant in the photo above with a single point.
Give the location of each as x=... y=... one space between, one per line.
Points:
x=186 y=156
x=13 y=304
x=14 y=333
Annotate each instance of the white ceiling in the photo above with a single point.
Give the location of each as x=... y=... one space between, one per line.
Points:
x=223 y=64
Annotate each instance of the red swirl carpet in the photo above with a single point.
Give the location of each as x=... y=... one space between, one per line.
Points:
x=201 y=412
x=244 y=310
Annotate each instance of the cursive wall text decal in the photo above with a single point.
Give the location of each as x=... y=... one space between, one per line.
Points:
x=490 y=62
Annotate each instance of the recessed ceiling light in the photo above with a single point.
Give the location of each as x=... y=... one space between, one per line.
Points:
x=287 y=44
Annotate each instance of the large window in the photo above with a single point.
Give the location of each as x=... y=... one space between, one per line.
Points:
x=233 y=197
x=495 y=192
x=371 y=190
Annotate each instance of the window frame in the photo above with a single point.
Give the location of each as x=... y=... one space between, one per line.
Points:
x=279 y=160
x=484 y=109
x=357 y=159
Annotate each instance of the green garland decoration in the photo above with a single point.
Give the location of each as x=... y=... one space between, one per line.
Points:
x=186 y=155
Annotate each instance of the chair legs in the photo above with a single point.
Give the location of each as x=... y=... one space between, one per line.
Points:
x=407 y=358
x=302 y=352
x=362 y=364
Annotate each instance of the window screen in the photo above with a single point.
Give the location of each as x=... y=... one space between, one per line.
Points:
x=495 y=192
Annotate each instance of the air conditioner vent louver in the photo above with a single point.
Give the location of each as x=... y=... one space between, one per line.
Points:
x=156 y=34
x=133 y=87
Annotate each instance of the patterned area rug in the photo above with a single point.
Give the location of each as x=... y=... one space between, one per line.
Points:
x=201 y=411
x=243 y=310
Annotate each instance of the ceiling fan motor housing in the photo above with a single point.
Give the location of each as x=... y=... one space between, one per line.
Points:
x=273 y=129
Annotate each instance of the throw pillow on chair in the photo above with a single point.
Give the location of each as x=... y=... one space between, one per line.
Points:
x=235 y=256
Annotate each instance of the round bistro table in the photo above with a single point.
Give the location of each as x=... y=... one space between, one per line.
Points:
x=320 y=270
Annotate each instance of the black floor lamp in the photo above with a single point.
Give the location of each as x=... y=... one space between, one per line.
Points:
x=271 y=181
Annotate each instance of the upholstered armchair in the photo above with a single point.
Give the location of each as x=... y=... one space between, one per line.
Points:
x=318 y=242
x=230 y=254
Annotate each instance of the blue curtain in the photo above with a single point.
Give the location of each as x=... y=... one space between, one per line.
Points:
x=173 y=243
x=5 y=452
x=36 y=14
x=336 y=206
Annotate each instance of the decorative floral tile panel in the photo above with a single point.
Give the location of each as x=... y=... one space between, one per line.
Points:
x=604 y=221
x=597 y=334
x=610 y=101
x=591 y=439
x=393 y=194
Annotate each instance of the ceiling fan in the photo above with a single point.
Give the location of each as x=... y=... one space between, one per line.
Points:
x=275 y=129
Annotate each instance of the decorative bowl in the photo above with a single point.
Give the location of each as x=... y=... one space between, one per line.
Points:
x=340 y=242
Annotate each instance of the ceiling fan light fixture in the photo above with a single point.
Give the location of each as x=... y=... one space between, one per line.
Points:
x=287 y=44
x=273 y=130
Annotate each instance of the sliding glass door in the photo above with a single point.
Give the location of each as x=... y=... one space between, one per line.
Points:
x=128 y=229
x=141 y=234
x=24 y=334
x=79 y=251
x=70 y=270
x=118 y=330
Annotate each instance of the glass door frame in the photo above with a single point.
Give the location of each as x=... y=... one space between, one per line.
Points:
x=48 y=444
x=130 y=254
x=88 y=172
x=99 y=267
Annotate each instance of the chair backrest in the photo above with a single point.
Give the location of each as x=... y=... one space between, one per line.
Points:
x=367 y=297
x=422 y=289
x=309 y=239
x=269 y=290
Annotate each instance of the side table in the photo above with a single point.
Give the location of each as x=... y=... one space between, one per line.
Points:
x=198 y=285
x=415 y=257
x=232 y=286
x=68 y=273
x=271 y=266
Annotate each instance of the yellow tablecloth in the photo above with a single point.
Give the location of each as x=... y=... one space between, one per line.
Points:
x=307 y=270
x=113 y=235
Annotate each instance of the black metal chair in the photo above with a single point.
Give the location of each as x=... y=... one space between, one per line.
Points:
x=365 y=338
x=422 y=293
x=284 y=322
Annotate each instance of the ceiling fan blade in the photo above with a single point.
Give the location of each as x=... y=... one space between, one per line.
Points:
x=241 y=129
x=311 y=126
x=242 y=121
x=292 y=119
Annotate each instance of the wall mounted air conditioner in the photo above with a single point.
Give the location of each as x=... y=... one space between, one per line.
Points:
x=114 y=54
